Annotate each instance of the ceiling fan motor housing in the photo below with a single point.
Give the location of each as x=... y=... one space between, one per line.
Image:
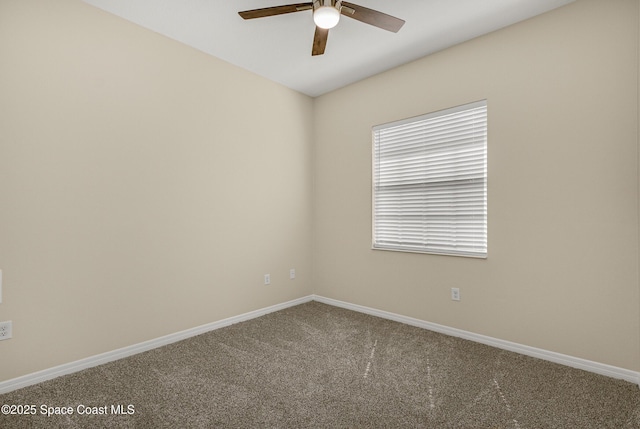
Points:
x=327 y=3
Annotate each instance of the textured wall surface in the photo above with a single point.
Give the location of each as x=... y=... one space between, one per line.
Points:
x=562 y=266
x=145 y=188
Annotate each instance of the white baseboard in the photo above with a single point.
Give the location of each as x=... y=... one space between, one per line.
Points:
x=79 y=365
x=574 y=362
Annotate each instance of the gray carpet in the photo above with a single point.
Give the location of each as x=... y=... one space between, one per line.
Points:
x=318 y=366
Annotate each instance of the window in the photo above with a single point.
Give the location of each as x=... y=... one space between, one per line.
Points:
x=430 y=183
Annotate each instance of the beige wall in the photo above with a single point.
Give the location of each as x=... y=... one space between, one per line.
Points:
x=562 y=271
x=145 y=188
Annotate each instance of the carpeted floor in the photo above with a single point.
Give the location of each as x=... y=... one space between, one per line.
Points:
x=318 y=366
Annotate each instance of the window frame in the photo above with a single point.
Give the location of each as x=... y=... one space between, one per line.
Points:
x=482 y=251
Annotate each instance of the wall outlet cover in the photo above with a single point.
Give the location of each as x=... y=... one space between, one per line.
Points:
x=6 y=330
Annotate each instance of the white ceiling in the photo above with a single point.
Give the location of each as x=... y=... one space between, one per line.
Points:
x=279 y=47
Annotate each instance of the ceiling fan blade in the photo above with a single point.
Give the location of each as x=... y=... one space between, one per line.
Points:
x=276 y=10
x=319 y=41
x=372 y=17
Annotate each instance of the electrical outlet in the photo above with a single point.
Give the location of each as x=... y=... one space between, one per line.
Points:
x=455 y=294
x=267 y=279
x=5 y=330
x=292 y=273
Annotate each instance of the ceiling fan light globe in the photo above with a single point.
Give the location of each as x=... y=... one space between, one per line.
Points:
x=326 y=17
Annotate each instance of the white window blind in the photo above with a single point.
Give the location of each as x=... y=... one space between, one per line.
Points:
x=430 y=183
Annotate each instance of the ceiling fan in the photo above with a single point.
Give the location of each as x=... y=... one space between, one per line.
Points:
x=326 y=14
